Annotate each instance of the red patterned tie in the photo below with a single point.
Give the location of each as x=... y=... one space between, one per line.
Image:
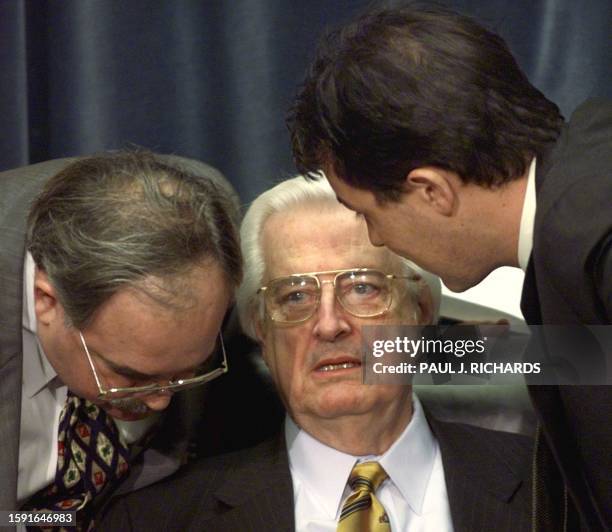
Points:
x=91 y=456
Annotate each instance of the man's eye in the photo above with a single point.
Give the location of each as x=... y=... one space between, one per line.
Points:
x=124 y=381
x=364 y=289
x=296 y=298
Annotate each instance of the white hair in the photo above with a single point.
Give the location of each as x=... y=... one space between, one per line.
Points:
x=284 y=197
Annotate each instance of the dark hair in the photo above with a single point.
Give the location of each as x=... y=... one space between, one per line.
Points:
x=125 y=219
x=402 y=88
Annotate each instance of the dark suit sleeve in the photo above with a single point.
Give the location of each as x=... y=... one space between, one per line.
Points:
x=116 y=519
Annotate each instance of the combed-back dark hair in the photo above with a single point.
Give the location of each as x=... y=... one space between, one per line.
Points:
x=402 y=88
x=126 y=219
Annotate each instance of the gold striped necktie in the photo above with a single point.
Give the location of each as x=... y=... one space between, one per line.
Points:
x=362 y=511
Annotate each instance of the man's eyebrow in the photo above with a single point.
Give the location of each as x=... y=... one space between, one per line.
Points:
x=127 y=371
x=132 y=373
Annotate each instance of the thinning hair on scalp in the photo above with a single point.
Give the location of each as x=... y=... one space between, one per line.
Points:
x=129 y=219
x=284 y=198
x=407 y=87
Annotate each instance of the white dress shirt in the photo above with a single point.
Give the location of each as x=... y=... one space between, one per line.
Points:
x=525 y=243
x=42 y=399
x=414 y=495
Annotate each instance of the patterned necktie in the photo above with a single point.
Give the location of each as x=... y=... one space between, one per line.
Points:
x=362 y=511
x=91 y=456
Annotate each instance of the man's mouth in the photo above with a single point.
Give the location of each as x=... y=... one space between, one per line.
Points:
x=128 y=407
x=326 y=366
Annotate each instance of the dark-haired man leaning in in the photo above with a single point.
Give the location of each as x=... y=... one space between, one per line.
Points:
x=113 y=295
x=352 y=456
x=423 y=123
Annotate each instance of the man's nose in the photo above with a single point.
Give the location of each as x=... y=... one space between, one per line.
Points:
x=157 y=401
x=330 y=318
x=373 y=235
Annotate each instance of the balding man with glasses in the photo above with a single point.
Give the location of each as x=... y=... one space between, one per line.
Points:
x=351 y=456
x=130 y=263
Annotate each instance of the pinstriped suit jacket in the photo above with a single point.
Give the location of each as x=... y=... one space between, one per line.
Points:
x=569 y=281
x=487 y=476
x=18 y=188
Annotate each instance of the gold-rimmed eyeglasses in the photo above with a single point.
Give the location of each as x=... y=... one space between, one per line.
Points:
x=362 y=292
x=153 y=388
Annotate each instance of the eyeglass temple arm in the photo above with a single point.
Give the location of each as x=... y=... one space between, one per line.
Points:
x=93 y=369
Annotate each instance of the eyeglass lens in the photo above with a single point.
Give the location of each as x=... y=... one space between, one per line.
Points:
x=294 y=299
x=211 y=365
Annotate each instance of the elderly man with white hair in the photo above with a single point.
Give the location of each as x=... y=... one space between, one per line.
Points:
x=351 y=456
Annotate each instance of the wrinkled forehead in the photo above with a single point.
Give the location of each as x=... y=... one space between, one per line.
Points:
x=320 y=237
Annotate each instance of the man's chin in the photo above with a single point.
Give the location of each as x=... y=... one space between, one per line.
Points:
x=346 y=402
x=458 y=285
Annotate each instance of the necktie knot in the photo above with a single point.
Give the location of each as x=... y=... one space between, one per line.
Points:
x=362 y=511
x=367 y=476
x=91 y=455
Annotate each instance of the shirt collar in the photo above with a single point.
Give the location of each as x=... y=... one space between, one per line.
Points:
x=324 y=471
x=414 y=452
x=525 y=244
x=37 y=370
x=28 y=318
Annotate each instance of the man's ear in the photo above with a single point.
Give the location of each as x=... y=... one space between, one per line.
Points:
x=257 y=322
x=435 y=187
x=46 y=304
x=425 y=303
x=260 y=334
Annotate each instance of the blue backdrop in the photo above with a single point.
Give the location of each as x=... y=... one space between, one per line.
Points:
x=213 y=79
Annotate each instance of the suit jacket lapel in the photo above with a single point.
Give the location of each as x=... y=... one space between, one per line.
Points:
x=259 y=493
x=481 y=479
x=472 y=470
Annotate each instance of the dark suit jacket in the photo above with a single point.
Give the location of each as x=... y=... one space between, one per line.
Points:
x=569 y=281
x=487 y=478
x=17 y=190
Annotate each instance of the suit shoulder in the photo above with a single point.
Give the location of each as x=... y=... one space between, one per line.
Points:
x=208 y=472
x=484 y=438
x=169 y=504
x=487 y=475
x=477 y=444
x=261 y=454
x=487 y=435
